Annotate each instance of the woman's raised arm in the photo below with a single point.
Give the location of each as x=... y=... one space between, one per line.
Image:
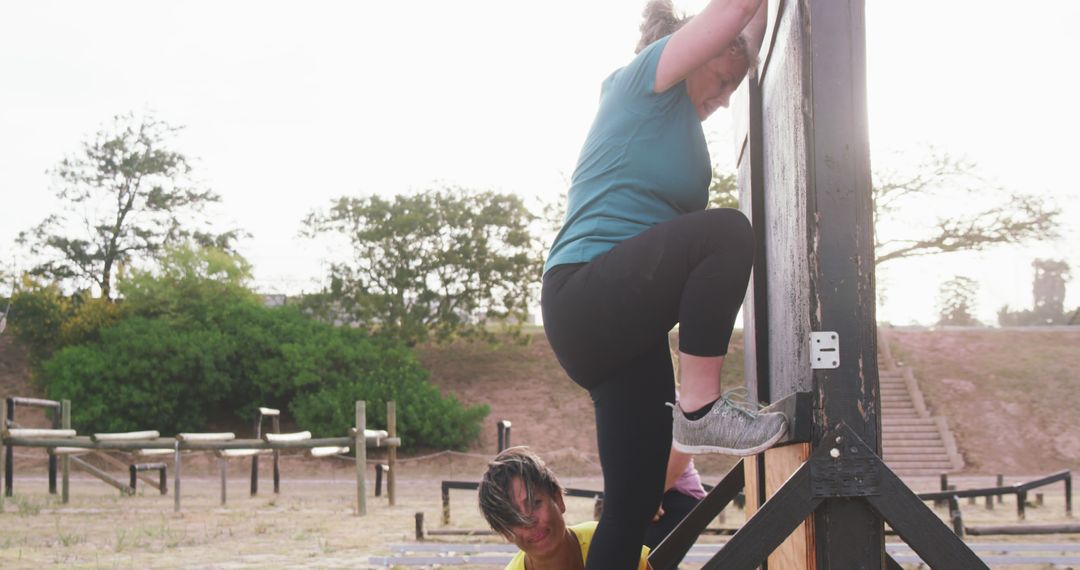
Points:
x=708 y=35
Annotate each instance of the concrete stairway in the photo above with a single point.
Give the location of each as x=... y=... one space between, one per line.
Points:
x=913 y=441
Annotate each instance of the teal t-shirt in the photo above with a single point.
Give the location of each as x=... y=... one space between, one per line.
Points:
x=645 y=161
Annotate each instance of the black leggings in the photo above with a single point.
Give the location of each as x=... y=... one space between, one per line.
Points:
x=608 y=322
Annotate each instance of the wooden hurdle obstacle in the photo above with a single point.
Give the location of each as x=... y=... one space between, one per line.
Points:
x=10 y=405
x=359 y=439
x=819 y=500
x=275 y=426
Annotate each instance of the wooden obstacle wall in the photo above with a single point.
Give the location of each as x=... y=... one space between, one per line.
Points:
x=804 y=177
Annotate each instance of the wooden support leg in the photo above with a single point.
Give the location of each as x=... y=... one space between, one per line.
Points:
x=3 y=456
x=223 y=466
x=176 y=479
x=9 y=450
x=1068 y=496
x=255 y=458
x=920 y=528
x=360 y=446
x=125 y=490
x=686 y=533
x=391 y=460
x=276 y=423
x=769 y=526
x=65 y=423
x=57 y=422
x=445 y=504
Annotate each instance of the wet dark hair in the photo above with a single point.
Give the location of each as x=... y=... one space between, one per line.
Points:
x=496 y=488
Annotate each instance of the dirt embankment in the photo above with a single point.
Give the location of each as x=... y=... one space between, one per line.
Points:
x=1009 y=394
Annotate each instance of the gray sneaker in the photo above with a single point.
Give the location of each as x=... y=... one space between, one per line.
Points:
x=730 y=428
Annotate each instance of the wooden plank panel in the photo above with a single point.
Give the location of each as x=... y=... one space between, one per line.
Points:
x=751 y=488
x=794 y=553
x=784 y=162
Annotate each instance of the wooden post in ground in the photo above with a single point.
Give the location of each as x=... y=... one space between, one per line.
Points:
x=255 y=458
x=9 y=451
x=275 y=423
x=57 y=422
x=360 y=448
x=3 y=455
x=65 y=461
x=391 y=430
x=176 y=479
x=223 y=466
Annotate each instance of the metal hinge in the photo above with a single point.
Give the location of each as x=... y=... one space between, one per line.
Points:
x=824 y=350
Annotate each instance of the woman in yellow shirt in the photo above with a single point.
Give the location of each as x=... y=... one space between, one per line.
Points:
x=521 y=499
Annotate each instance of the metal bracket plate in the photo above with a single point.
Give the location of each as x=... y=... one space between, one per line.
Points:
x=824 y=350
x=847 y=477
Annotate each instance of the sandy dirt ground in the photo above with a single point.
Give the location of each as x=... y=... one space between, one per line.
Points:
x=311 y=524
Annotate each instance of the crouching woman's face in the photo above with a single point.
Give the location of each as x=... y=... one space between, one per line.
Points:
x=548 y=528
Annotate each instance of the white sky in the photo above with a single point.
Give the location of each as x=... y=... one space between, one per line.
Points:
x=288 y=105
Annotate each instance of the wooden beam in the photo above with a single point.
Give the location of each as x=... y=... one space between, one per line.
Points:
x=770 y=525
x=685 y=534
x=796 y=552
x=102 y=475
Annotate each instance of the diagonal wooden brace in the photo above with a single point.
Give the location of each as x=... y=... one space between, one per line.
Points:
x=684 y=535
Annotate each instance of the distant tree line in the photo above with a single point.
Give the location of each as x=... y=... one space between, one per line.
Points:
x=137 y=305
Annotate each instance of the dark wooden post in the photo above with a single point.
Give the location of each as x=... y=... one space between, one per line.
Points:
x=445 y=503
x=9 y=450
x=1068 y=495
x=275 y=423
x=955 y=516
x=57 y=422
x=502 y=428
x=804 y=176
x=65 y=423
x=3 y=456
x=255 y=458
x=391 y=431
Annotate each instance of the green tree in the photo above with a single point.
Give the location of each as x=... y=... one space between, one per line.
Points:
x=36 y=316
x=1003 y=216
x=441 y=263
x=126 y=194
x=187 y=281
x=956 y=301
x=723 y=190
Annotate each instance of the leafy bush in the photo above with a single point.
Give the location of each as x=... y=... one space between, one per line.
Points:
x=173 y=374
x=37 y=314
x=142 y=374
x=340 y=368
x=86 y=319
